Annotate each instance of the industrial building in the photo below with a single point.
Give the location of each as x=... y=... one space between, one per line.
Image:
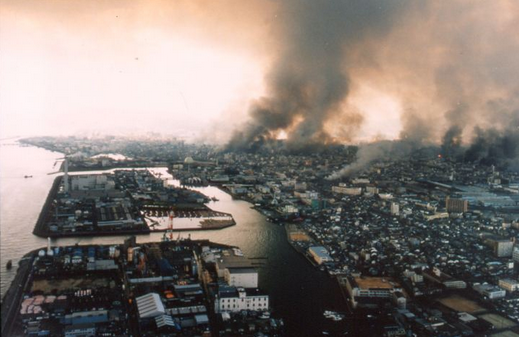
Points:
x=320 y=254
x=437 y=276
x=490 y=291
x=341 y=189
x=150 y=306
x=231 y=260
x=241 y=277
x=232 y=299
x=454 y=205
x=509 y=284
x=372 y=291
x=503 y=247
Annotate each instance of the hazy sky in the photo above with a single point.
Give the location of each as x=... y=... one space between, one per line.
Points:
x=200 y=68
x=87 y=66
x=131 y=66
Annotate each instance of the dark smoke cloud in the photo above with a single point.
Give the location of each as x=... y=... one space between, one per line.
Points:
x=309 y=80
x=452 y=66
x=451 y=143
x=496 y=147
x=464 y=91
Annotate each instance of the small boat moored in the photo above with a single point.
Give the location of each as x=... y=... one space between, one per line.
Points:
x=335 y=316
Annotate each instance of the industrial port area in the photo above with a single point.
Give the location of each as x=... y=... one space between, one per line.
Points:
x=121 y=203
x=168 y=288
x=424 y=245
x=259 y=168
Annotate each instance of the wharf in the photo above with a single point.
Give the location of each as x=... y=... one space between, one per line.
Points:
x=290 y=230
x=181 y=211
x=216 y=224
x=12 y=298
x=341 y=280
x=39 y=228
x=207 y=224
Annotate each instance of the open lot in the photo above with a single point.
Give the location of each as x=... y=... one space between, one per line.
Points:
x=498 y=321
x=461 y=304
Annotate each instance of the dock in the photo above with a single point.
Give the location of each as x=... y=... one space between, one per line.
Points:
x=12 y=299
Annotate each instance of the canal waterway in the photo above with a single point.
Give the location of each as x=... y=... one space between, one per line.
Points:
x=299 y=293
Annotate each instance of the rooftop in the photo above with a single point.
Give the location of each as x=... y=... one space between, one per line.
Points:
x=240 y=270
x=376 y=283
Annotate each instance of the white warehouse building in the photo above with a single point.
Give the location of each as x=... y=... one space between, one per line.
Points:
x=241 y=277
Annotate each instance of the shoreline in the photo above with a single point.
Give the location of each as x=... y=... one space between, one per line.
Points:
x=299 y=249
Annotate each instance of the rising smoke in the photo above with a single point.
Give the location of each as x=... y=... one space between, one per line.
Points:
x=451 y=66
x=309 y=80
x=496 y=147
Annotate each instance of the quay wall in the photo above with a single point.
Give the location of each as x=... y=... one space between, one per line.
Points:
x=40 y=228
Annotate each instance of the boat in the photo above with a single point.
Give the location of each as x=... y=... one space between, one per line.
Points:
x=333 y=315
x=9 y=264
x=328 y=313
x=26 y=176
x=337 y=318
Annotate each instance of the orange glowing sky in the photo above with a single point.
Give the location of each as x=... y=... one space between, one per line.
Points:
x=83 y=67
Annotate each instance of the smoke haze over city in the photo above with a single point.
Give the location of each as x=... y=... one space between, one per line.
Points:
x=243 y=73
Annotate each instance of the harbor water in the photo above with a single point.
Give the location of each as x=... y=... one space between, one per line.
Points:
x=298 y=292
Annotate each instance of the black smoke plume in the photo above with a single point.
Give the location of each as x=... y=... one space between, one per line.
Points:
x=309 y=80
x=451 y=66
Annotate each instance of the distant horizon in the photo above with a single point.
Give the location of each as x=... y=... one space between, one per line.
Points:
x=243 y=72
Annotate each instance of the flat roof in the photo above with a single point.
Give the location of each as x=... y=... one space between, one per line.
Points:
x=320 y=251
x=376 y=283
x=242 y=270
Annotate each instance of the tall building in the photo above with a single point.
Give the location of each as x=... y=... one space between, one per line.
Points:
x=509 y=284
x=241 y=277
x=456 y=205
x=515 y=254
x=395 y=208
x=503 y=247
